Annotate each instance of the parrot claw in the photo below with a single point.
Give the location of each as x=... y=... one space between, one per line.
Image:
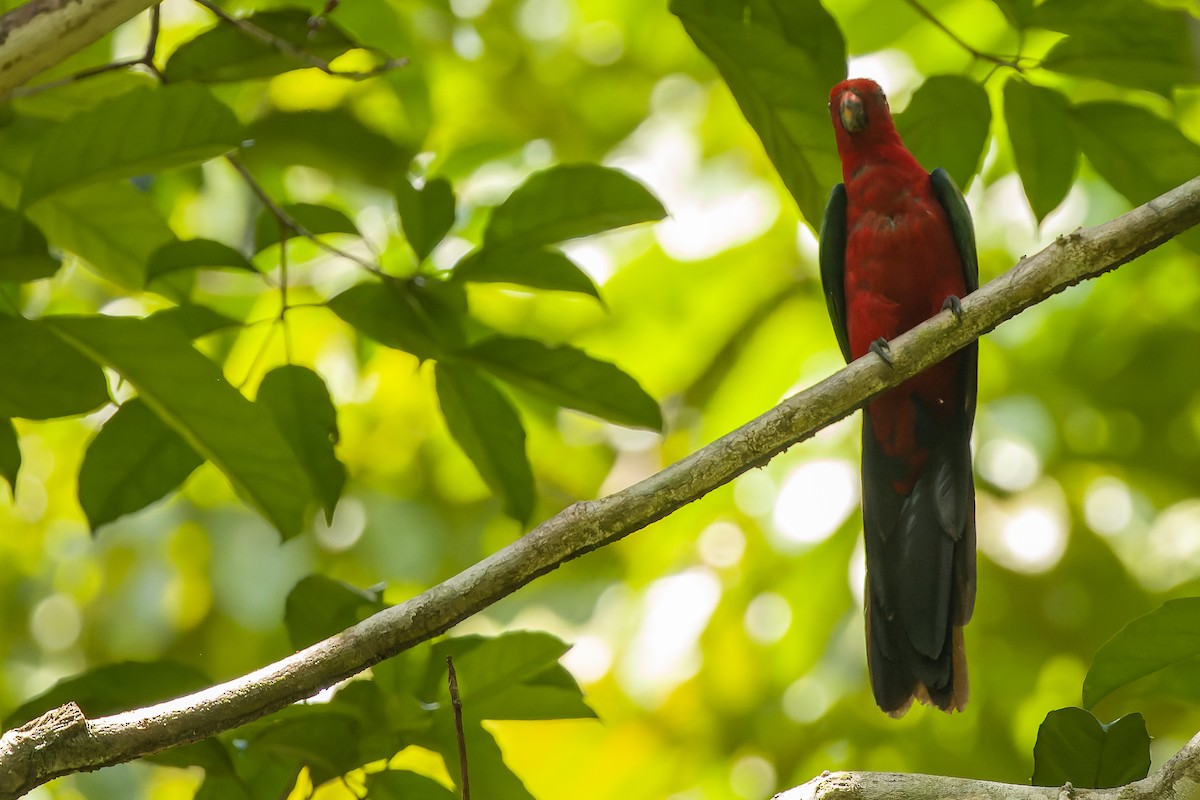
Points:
x=954 y=305
x=880 y=348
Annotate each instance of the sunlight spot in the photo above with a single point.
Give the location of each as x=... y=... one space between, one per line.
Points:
x=891 y=69
x=806 y=700
x=1027 y=536
x=544 y=20
x=349 y=522
x=665 y=651
x=856 y=573
x=752 y=777
x=589 y=659
x=469 y=9
x=467 y=42
x=601 y=43
x=754 y=493
x=1108 y=506
x=709 y=222
x=768 y=618
x=815 y=500
x=721 y=544
x=55 y=623
x=1009 y=463
x=1172 y=555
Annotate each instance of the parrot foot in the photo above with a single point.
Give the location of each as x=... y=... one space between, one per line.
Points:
x=954 y=305
x=880 y=348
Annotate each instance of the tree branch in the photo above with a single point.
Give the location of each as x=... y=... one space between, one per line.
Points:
x=42 y=33
x=1178 y=779
x=46 y=748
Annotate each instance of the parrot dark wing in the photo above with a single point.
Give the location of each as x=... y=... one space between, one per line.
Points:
x=833 y=264
x=960 y=221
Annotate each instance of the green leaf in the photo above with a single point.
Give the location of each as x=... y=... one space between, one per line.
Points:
x=134 y=460
x=10 y=454
x=298 y=400
x=195 y=254
x=485 y=760
x=335 y=141
x=402 y=785
x=1047 y=156
x=24 y=254
x=318 y=607
x=113 y=688
x=324 y=741
x=402 y=315
x=194 y=320
x=135 y=133
x=1138 y=152
x=1073 y=746
x=227 y=53
x=540 y=268
x=113 y=227
x=946 y=125
x=188 y=392
x=569 y=201
x=780 y=60
x=426 y=214
x=568 y=377
x=1018 y=12
x=316 y=220
x=487 y=428
x=1126 y=42
x=513 y=676
x=42 y=378
x=1165 y=637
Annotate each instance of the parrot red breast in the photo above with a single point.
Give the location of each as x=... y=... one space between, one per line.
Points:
x=896 y=247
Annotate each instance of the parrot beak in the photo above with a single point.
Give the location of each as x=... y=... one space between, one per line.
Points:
x=852 y=112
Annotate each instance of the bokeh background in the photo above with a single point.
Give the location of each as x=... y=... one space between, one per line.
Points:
x=722 y=648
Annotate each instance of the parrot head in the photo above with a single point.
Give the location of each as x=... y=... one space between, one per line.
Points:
x=861 y=119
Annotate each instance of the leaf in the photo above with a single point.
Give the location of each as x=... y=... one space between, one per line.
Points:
x=1165 y=637
x=946 y=125
x=395 y=784
x=135 y=133
x=1073 y=746
x=1126 y=42
x=1018 y=12
x=193 y=320
x=42 y=378
x=399 y=315
x=568 y=377
x=426 y=214
x=10 y=454
x=24 y=253
x=134 y=460
x=195 y=254
x=1044 y=148
x=780 y=61
x=486 y=761
x=113 y=227
x=227 y=53
x=319 y=607
x=540 y=268
x=113 y=688
x=299 y=402
x=335 y=141
x=568 y=201
x=513 y=676
x=487 y=428
x=324 y=741
x=188 y=392
x=316 y=221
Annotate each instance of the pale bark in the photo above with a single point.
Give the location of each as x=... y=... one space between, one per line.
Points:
x=42 y=33
x=63 y=742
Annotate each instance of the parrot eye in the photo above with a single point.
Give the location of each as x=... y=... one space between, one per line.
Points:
x=852 y=112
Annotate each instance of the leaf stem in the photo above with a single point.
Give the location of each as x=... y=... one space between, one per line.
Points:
x=456 y=703
x=999 y=61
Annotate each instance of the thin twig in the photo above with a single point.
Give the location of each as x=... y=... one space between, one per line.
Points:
x=299 y=53
x=286 y=219
x=456 y=703
x=979 y=54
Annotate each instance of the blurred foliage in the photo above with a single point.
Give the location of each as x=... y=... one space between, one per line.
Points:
x=721 y=649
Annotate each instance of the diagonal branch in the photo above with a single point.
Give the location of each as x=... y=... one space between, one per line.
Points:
x=39 y=34
x=1178 y=779
x=62 y=741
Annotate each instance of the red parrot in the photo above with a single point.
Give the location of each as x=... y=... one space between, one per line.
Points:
x=897 y=247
